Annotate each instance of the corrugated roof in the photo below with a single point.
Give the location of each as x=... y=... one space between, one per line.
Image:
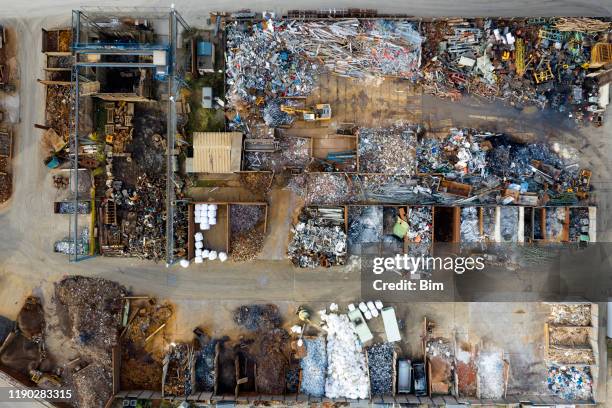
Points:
x=217 y=152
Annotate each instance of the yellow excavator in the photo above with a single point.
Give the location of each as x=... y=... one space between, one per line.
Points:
x=321 y=111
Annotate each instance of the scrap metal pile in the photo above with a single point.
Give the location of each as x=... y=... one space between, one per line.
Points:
x=93 y=309
x=177 y=369
x=570 y=382
x=319 y=239
x=569 y=351
x=543 y=62
x=275 y=59
x=387 y=150
x=144 y=227
x=314 y=367
x=346 y=363
x=380 y=363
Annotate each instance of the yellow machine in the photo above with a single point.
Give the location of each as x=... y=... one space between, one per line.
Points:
x=519 y=56
x=321 y=111
x=601 y=54
x=544 y=75
x=583 y=186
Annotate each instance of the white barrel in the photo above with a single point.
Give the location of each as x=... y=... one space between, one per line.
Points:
x=198 y=252
x=212 y=255
x=222 y=256
x=199 y=236
x=205 y=225
x=212 y=207
x=198 y=259
x=205 y=253
x=184 y=263
x=203 y=207
x=199 y=245
x=212 y=221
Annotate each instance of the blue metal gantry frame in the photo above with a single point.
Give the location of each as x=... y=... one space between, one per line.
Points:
x=81 y=46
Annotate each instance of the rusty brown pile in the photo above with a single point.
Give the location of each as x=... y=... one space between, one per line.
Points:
x=570 y=314
x=270 y=351
x=571 y=355
x=257 y=182
x=58 y=109
x=178 y=378
x=93 y=308
x=93 y=385
x=569 y=336
x=6 y=187
x=141 y=360
x=246 y=246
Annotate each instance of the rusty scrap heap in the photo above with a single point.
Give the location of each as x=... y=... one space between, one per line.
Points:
x=275 y=59
x=544 y=62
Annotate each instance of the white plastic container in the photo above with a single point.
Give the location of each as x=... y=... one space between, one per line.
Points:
x=374 y=312
x=198 y=252
x=212 y=255
x=371 y=306
x=198 y=259
x=204 y=225
x=212 y=221
x=205 y=253
x=198 y=236
x=368 y=315
x=363 y=307
x=199 y=245
x=222 y=256
x=184 y=263
x=203 y=207
x=212 y=207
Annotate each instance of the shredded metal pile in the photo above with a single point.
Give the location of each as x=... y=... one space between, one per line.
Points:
x=314 y=367
x=94 y=306
x=314 y=245
x=509 y=223
x=491 y=375
x=570 y=314
x=245 y=217
x=470 y=231
x=258 y=317
x=246 y=246
x=571 y=383
x=327 y=189
x=387 y=150
x=380 y=364
x=346 y=364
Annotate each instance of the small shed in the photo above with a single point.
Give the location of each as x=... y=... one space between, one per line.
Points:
x=216 y=152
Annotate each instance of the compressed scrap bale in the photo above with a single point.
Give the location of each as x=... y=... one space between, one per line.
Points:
x=314 y=367
x=346 y=364
x=380 y=365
